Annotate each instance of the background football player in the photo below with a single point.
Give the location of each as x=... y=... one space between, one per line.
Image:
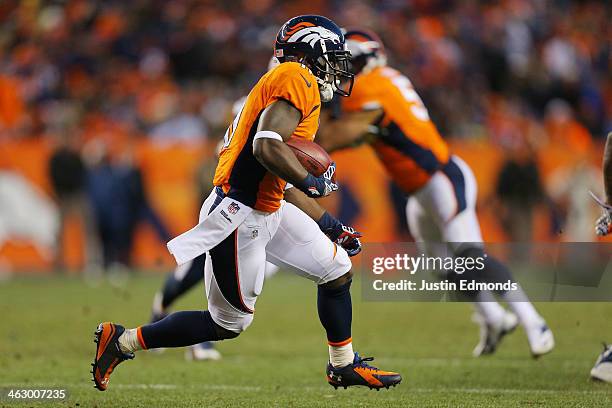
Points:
x=441 y=188
x=245 y=220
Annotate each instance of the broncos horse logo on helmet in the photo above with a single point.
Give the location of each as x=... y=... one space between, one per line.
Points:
x=318 y=43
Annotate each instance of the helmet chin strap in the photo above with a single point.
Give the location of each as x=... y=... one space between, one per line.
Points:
x=326 y=90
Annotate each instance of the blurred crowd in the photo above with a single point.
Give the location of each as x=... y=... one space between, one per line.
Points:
x=94 y=75
x=170 y=69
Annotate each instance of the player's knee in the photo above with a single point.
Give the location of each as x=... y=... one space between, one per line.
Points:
x=230 y=325
x=238 y=326
x=339 y=282
x=469 y=250
x=331 y=264
x=225 y=334
x=493 y=271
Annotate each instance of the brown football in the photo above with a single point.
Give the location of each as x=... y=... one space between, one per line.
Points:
x=311 y=156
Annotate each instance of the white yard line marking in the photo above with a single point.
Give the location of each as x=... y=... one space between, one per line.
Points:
x=477 y=390
x=482 y=362
x=146 y=386
x=507 y=362
x=509 y=391
x=209 y=387
x=221 y=387
x=250 y=388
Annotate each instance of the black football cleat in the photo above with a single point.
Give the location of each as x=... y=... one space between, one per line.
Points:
x=108 y=353
x=360 y=373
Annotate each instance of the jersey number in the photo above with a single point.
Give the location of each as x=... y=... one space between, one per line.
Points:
x=229 y=133
x=405 y=87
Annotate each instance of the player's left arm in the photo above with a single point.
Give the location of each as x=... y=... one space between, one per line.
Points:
x=348 y=131
x=276 y=126
x=339 y=233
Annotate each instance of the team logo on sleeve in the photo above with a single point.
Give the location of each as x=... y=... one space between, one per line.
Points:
x=233 y=208
x=313 y=190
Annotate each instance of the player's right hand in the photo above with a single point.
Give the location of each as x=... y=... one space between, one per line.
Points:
x=603 y=225
x=321 y=186
x=348 y=239
x=341 y=234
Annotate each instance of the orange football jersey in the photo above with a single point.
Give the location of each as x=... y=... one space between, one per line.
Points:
x=239 y=173
x=411 y=149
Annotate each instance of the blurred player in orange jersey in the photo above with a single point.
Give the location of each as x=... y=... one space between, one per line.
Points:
x=262 y=208
x=441 y=188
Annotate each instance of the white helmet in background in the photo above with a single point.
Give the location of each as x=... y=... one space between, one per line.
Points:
x=367 y=50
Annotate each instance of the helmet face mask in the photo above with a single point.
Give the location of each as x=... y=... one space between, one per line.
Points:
x=318 y=43
x=334 y=68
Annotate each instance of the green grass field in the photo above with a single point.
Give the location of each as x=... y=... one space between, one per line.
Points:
x=47 y=330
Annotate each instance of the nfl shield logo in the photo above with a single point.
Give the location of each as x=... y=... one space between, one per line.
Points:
x=233 y=208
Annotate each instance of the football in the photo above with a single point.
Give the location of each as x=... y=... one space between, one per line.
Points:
x=312 y=156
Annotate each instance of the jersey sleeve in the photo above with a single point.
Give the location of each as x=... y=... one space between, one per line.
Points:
x=294 y=84
x=366 y=94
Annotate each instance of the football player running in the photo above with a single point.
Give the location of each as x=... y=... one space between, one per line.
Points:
x=602 y=370
x=186 y=276
x=441 y=188
x=246 y=218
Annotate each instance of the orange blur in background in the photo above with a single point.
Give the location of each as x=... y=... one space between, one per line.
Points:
x=173 y=195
